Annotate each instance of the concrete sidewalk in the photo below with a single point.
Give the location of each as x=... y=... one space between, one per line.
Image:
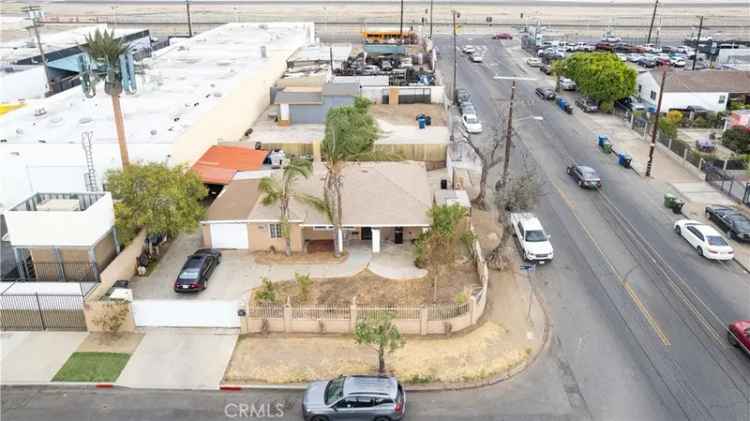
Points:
x=35 y=357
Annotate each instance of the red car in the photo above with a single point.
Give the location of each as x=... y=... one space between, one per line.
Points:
x=739 y=334
x=502 y=35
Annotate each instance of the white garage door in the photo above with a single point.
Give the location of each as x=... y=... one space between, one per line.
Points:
x=229 y=236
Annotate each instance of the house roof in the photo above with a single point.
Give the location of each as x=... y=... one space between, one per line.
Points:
x=730 y=81
x=220 y=163
x=235 y=202
x=298 y=98
x=374 y=194
x=341 y=89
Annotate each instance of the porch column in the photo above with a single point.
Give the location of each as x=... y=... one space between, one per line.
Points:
x=340 y=235
x=376 y=240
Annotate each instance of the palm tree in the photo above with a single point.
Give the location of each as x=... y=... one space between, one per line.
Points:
x=106 y=50
x=281 y=190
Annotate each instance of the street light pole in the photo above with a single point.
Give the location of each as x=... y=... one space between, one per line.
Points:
x=656 y=125
x=189 y=20
x=455 y=55
x=34 y=12
x=698 y=41
x=431 y=5
x=653 y=17
x=401 y=26
x=508 y=136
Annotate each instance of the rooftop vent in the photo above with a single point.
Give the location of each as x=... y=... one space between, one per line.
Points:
x=263 y=52
x=40 y=112
x=85 y=120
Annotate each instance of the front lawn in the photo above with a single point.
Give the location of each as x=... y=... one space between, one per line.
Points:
x=92 y=367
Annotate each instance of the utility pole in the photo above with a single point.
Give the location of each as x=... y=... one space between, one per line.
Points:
x=455 y=55
x=656 y=125
x=698 y=42
x=653 y=17
x=189 y=21
x=34 y=13
x=431 y=4
x=508 y=136
x=401 y=27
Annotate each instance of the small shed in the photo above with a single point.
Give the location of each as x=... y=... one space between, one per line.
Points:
x=311 y=106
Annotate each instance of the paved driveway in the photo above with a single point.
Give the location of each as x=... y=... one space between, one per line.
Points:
x=179 y=359
x=35 y=357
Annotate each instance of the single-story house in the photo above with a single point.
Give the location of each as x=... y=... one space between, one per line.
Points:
x=708 y=89
x=219 y=164
x=382 y=201
x=310 y=105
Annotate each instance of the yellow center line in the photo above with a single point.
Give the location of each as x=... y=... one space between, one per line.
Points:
x=633 y=296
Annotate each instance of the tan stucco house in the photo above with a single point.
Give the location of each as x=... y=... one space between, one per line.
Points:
x=382 y=201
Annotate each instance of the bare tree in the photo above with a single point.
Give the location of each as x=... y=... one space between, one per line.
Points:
x=489 y=157
x=520 y=193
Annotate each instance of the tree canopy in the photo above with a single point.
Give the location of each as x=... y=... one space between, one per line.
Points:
x=350 y=132
x=600 y=76
x=157 y=198
x=379 y=332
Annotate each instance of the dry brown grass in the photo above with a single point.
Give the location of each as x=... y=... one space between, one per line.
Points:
x=279 y=258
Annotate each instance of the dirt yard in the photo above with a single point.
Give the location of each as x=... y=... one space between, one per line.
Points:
x=268 y=258
x=406 y=114
x=371 y=289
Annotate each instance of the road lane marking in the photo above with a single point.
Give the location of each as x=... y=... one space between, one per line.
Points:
x=649 y=318
x=637 y=301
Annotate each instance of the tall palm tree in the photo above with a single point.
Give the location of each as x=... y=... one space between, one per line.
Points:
x=106 y=50
x=281 y=190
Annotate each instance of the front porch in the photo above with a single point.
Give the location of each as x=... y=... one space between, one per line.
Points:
x=375 y=237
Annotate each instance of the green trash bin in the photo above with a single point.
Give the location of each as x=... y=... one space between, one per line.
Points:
x=669 y=200
x=607 y=148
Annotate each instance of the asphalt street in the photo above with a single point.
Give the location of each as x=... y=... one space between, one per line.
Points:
x=638 y=319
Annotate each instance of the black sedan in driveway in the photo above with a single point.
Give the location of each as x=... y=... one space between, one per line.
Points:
x=545 y=93
x=196 y=270
x=731 y=220
x=585 y=177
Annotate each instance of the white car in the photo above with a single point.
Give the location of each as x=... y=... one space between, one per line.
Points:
x=469 y=49
x=533 y=62
x=472 y=123
x=567 y=84
x=704 y=239
x=477 y=58
x=622 y=57
x=532 y=239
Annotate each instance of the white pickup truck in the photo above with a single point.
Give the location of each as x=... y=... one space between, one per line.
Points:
x=532 y=239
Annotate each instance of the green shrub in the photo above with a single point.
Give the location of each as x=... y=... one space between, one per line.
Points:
x=737 y=139
x=701 y=123
x=267 y=292
x=607 y=107
x=303 y=283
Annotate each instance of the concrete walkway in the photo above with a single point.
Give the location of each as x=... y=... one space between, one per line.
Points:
x=35 y=357
x=396 y=261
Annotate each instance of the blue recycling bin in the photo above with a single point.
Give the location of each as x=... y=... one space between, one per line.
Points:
x=601 y=140
x=624 y=159
x=422 y=122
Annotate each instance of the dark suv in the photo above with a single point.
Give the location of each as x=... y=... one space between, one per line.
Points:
x=736 y=223
x=545 y=93
x=587 y=105
x=585 y=177
x=379 y=398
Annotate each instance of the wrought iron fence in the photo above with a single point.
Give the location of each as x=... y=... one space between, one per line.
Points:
x=727 y=183
x=52 y=272
x=42 y=311
x=324 y=312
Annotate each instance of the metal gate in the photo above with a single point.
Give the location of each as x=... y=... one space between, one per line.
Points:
x=23 y=309
x=727 y=183
x=186 y=313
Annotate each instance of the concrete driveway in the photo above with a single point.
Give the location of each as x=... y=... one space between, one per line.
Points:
x=35 y=357
x=179 y=359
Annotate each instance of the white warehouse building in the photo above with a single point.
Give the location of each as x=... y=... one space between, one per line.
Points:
x=190 y=96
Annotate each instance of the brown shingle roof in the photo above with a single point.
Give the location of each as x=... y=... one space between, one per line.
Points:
x=235 y=202
x=730 y=81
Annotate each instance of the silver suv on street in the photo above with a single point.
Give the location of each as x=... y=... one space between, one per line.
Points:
x=374 y=398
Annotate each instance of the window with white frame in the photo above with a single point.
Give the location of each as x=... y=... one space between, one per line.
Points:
x=722 y=99
x=275 y=230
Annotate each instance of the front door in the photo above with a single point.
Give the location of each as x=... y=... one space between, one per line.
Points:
x=366 y=233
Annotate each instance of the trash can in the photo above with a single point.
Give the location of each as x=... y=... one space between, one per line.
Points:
x=422 y=122
x=601 y=140
x=428 y=120
x=669 y=200
x=624 y=160
x=677 y=206
x=607 y=148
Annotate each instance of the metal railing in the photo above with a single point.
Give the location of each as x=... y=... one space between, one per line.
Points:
x=42 y=311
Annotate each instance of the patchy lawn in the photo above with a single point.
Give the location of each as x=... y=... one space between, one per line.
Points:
x=279 y=258
x=371 y=289
x=92 y=367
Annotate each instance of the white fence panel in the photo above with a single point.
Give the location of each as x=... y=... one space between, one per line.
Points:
x=186 y=313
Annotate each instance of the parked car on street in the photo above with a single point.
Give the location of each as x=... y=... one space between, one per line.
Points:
x=197 y=270
x=469 y=49
x=738 y=334
x=471 y=123
x=467 y=108
x=546 y=69
x=532 y=239
x=677 y=61
x=587 y=105
x=533 y=62
x=477 y=58
x=731 y=221
x=622 y=57
x=354 y=398
x=545 y=93
x=633 y=57
x=502 y=35
x=585 y=177
x=647 y=62
x=704 y=239
x=567 y=84
x=462 y=95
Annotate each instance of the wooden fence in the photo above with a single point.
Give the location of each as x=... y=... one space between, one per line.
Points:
x=413 y=320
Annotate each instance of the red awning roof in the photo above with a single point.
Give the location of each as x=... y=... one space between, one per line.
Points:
x=220 y=163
